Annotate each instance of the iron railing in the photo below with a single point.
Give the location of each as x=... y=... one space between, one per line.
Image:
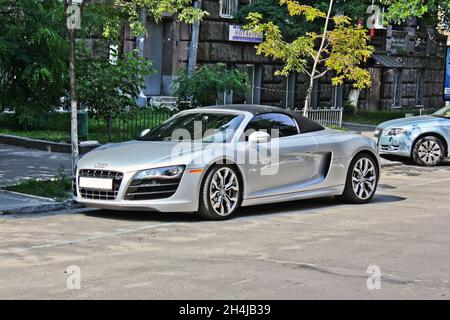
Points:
x=328 y=117
x=129 y=125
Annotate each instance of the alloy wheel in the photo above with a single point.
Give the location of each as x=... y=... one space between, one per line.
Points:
x=224 y=191
x=429 y=152
x=364 y=178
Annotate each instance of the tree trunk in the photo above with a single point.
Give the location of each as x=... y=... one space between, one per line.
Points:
x=74 y=101
x=308 y=97
x=316 y=60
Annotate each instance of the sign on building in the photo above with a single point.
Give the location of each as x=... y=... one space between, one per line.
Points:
x=238 y=34
x=447 y=75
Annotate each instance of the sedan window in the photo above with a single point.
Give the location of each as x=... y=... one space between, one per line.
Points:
x=443 y=113
x=269 y=121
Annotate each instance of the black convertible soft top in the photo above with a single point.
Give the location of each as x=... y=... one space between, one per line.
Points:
x=305 y=125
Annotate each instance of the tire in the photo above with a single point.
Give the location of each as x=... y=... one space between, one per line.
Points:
x=428 y=151
x=361 y=187
x=220 y=198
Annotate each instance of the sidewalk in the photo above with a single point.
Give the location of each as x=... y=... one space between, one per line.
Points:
x=19 y=164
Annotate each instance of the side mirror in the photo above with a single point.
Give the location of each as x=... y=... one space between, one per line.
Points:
x=144 y=132
x=258 y=137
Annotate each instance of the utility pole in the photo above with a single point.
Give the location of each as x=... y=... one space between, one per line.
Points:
x=193 y=47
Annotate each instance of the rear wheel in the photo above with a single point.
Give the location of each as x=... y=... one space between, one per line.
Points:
x=362 y=180
x=428 y=151
x=221 y=193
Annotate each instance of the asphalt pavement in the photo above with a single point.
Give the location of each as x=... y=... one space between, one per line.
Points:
x=18 y=164
x=312 y=249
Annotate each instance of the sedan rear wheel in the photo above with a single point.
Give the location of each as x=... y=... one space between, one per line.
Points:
x=362 y=180
x=221 y=193
x=428 y=151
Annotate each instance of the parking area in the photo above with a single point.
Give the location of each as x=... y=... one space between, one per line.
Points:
x=299 y=250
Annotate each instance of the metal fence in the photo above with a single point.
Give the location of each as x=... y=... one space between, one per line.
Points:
x=329 y=117
x=129 y=125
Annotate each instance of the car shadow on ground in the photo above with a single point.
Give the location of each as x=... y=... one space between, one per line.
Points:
x=309 y=206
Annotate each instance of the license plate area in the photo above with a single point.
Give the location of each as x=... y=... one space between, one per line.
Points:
x=96 y=183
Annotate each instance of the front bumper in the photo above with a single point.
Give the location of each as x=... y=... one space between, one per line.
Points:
x=185 y=199
x=394 y=145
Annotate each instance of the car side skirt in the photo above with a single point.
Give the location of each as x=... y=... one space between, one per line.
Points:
x=316 y=193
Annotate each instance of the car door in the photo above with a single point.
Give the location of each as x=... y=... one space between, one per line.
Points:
x=284 y=164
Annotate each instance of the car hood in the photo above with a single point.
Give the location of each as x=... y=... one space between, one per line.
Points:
x=406 y=121
x=138 y=155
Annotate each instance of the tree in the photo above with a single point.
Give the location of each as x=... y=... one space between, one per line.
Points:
x=432 y=12
x=208 y=82
x=295 y=26
x=33 y=58
x=339 y=47
x=108 y=89
x=116 y=13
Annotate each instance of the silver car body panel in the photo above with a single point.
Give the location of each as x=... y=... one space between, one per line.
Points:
x=311 y=165
x=414 y=127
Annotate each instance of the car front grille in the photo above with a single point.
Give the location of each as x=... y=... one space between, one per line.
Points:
x=101 y=194
x=152 y=189
x=385 y=147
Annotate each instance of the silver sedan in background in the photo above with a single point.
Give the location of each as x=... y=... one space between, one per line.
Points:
x=425 y=139
x=213 y=160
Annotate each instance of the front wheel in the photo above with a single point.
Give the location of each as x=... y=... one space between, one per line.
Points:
x=221 y=193
x=428 y=151
x=362 y=180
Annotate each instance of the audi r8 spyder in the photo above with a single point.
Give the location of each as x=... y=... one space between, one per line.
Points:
x=213 y=160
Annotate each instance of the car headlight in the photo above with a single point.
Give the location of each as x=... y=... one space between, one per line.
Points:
x=172 y=172
x=395 y=131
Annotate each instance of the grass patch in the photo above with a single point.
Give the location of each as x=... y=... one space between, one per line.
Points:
x=377 y=117
x=58 y=188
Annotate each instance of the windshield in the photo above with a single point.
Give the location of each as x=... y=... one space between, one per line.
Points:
x=443 y=113
x=205 y=127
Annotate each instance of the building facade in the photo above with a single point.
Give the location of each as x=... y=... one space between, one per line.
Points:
x=407 y=67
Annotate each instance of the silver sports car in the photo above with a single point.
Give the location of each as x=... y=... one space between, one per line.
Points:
x=424 y=139
x=213 y=160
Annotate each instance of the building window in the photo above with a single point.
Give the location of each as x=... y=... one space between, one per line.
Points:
x=228 y=8
x=397 y=103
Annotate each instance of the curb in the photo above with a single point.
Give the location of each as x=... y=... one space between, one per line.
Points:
x=44 y=145
x=45 y=207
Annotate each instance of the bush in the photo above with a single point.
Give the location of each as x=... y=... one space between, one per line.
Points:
x=207 y=83
x=349 y=108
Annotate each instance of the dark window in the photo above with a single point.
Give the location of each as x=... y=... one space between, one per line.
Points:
x=207 y=127
x=269 y=121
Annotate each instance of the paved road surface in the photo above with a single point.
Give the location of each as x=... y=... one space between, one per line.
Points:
x=304 y=249
x=18 y=164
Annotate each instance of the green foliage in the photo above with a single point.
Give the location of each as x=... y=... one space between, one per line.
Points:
x=34 y=55
x=205 y=85
x=108 y=89
x=432 y=12
x=116 y=10
x=33 y=58
x=348 y=107
x=292 y=27
x=345 y=46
